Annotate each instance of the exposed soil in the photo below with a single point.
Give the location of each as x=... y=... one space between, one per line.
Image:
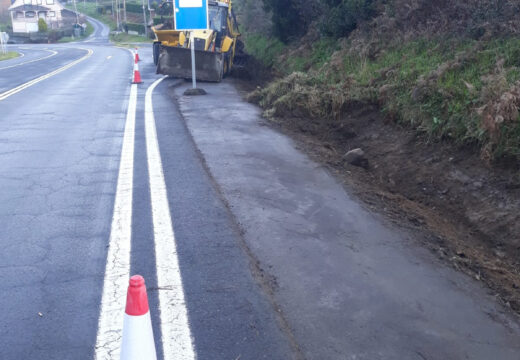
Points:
x=469 y=210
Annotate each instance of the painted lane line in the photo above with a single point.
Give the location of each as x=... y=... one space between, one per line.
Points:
x=19 y=88
x=176 y=335
x=53 y=53
x=117 y=269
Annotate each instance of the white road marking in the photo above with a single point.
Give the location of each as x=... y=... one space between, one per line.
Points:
x=117 y=270
x=53 y=53
x=109 y=57
x=176 y=334
x=19 y=88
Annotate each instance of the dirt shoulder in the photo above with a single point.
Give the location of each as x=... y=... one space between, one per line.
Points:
x=469 y=210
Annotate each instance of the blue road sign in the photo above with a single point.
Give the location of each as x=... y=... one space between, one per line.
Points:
x=191 y=14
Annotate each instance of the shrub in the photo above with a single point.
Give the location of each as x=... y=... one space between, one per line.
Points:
x=134 y=8
x=343 y=16
x=134 y=27
x=42 y=25
x=162 y=19
x=286 y=19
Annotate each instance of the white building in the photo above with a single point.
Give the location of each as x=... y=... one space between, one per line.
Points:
x=25 y=14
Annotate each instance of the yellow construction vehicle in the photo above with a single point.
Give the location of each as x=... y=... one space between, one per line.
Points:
x=215 y=48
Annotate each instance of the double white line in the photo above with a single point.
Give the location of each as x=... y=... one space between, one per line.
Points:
x=176 y=336
x=17 y=89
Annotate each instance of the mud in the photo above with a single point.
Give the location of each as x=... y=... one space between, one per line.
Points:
x=469 y=210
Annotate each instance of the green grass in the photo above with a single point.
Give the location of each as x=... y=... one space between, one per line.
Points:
x=89 y=9
x=88 y=31
x=121 y=39
x=263 y=48
x=9 y=55
x=124 y=38
x=434 y=85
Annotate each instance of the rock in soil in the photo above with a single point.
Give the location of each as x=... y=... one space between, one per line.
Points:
x=356 y=157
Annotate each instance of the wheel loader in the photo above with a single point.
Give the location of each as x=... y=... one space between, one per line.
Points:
x=215 y=48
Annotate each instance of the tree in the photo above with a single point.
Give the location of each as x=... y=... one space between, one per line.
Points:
x=42 y=25
x=343 y=16
x=286 y=18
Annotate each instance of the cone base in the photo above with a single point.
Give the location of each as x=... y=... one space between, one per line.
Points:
x=138 y=342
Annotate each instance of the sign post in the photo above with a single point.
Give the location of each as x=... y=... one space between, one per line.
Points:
x=4 y=38
x=191 y=15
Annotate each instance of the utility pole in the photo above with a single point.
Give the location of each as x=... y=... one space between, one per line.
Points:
x=145 y=24
x=117 y=16
x=76 y=11
x=112 y=9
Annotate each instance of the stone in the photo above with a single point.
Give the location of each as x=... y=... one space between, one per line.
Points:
x=194 y=92
x=356 y=157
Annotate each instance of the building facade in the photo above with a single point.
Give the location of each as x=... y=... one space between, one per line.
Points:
x=26 y=13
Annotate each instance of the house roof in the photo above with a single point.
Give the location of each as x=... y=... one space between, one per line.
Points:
x=68 y=13
x=29 y=8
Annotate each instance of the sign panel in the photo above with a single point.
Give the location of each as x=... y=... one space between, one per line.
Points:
x=190 y=3
x=191 y=14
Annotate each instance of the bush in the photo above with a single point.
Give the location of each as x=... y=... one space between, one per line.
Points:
x=134 y=27
x=42 y=25
x=162 y=19
x=134 y=8
x=343 y=16
x=286 y=19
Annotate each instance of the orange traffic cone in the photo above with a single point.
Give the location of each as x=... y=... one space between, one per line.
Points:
x=137 y=342
x=136 y=56
x=137 y=75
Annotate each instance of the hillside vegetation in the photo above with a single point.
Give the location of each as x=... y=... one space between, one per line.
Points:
x=450 y=69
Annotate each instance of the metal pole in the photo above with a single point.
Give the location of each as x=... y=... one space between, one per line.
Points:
x=117 y=16
x=193 y=75
x=76 y=10
x=144 y=17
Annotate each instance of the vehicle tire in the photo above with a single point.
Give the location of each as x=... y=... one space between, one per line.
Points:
x=156 y=51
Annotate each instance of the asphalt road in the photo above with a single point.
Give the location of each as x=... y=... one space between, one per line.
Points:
x=248 y=248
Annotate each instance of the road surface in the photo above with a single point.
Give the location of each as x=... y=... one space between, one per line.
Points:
x=249 y=249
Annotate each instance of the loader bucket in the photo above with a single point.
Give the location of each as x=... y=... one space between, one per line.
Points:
x=176 y=62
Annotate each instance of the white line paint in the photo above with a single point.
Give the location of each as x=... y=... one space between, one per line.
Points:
x=19 y=88
x=53 y=53
x=176 y=334
x=117 y=270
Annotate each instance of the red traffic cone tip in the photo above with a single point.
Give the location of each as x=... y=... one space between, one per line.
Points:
x=136 y=298
x=136 y=281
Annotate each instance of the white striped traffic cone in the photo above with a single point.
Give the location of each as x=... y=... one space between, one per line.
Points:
x=137 y=343
x=136 y=56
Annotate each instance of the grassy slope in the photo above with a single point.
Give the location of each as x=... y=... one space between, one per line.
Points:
x=122 y=38
x=89 y=30
x=89 y=9
x=442 y=86
x=9 y=55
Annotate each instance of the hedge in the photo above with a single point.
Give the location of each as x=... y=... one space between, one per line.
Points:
x=162 y=19
x=134 y=8
x=134 y=27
